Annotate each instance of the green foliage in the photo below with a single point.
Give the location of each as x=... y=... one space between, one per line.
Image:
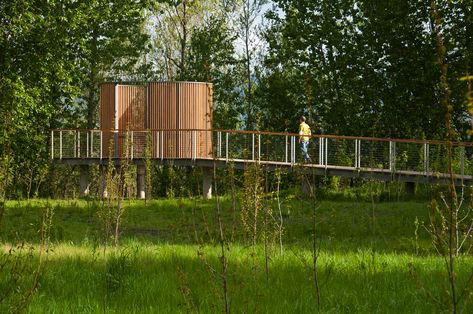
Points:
x=173 y=181
x=153 y=285
x=118 y=266
x=22 y=264
x=111 y=42
x=147 y=272
x=252 y=202
x=52 y=56
x=18 y=277
x=211 y=59
x=339 y=63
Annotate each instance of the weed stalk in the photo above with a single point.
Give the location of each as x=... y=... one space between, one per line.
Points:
x=223 y=259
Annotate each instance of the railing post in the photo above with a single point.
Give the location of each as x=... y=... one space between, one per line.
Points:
x=219 y=144
x=294 y=141
x=155 y=140
x=92 y=143
x=131 y=144
x=356 y=153
x=60 y=144
x=285 y=155
x=290 y=149
x=78 y=144
x=426 y=159
x=392 y=156
x=194 y=146
x=326 y=152
x=87 y=154
x=359 y=153
x=462 y=161
x=74 y=153
x=293 y=150
x=52 y=144
x=162 y=145
x=226 y=146
x=253 y=146
x=101 y=144
x=259 y=147
x=116 y=136
x=321 y=151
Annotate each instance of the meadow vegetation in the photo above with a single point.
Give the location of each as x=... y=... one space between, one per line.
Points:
x=390 y=69
x=374 y=254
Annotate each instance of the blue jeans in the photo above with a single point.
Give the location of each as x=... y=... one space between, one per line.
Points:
x=304 y=150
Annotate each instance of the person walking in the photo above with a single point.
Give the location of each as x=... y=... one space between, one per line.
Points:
x=304 y=137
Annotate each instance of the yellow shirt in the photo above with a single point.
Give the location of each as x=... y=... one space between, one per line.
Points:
x=304 y=129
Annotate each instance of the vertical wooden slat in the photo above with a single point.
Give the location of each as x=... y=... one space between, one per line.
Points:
x=107 y=115
x=131 y=116
x=167 y=106
x=163 y=114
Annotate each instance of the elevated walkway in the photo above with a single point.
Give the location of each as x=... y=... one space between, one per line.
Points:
x=360 y=157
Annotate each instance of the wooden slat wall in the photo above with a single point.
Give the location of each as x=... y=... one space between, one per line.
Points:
x=162 y=98
x=188 y=107
x=107 y=115
x=161 y=106
x=206 y=138
x=131 y=107
x=195 y=113
x=132 y=116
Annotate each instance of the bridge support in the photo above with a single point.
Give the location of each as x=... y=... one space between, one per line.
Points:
x=140 y=182
x=103 y=176
x=410 y=187
x=207 y=182
x=306 y=188
x=84 y=180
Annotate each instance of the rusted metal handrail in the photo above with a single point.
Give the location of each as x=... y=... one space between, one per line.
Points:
x=426 y=158
x=313 y=136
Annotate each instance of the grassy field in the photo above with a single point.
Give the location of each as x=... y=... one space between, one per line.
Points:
x=373 y=257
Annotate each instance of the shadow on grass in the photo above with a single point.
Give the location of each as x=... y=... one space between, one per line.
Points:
x=341 y=227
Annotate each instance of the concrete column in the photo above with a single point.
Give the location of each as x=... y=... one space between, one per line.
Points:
x=305 y=186
x=207 y=182
x=103 y=176
x=410 y=187
x=84 y=183
x=140 y=182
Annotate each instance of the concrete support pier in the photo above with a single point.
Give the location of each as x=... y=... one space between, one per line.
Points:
x=84 y=184
x=103 y=179
x=207 y=175
x=140 y=182
x=410 y=188
x=306 y=188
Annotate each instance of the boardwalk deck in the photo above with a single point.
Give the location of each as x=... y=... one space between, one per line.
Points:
x=358 y=157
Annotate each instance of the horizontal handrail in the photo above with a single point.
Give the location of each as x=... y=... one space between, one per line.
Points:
x=314 y=136
x=349 y=137
x=425 y=158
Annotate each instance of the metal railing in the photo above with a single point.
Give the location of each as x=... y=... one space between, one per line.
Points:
x=428 y=158
x=160 y=144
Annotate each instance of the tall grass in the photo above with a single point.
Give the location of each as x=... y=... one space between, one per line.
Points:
x=145 y=281
x=158 y=267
